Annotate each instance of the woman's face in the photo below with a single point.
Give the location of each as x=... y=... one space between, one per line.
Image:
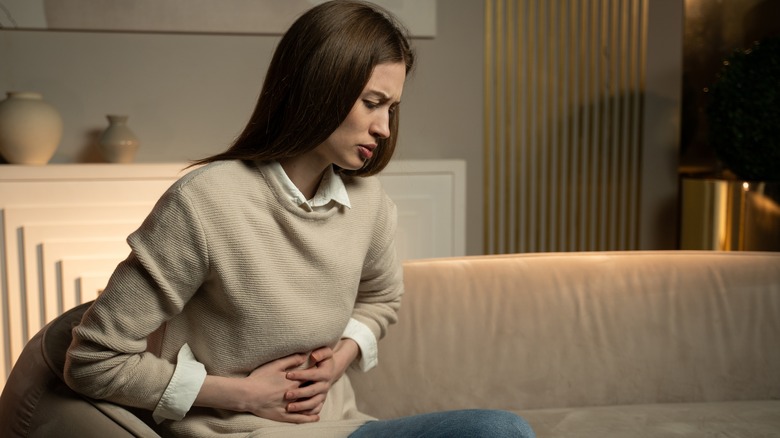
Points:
x=356 y=139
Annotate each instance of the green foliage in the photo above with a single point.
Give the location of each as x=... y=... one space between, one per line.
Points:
x=744 y=112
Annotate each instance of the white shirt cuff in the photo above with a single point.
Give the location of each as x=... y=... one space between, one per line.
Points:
x=364 y=337
x=181 y=392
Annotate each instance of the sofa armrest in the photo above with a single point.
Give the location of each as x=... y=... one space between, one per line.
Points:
x=36 y=402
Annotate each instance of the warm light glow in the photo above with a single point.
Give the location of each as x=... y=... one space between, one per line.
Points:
x=745 y=186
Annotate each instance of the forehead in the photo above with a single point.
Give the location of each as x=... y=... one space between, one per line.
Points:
x=387 y=80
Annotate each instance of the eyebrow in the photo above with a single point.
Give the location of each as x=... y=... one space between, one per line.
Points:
x=381 y=94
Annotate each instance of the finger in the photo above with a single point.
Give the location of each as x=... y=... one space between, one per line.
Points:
x=301 y=418
x=304 y=405
x=291 y=361
x=321 y=354
x=314 y=411
x=311 y=374
x=309 y=391
x=283 y=415
x=322 y=370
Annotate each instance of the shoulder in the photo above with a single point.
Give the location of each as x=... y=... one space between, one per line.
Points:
x=212 y=187
x=219 y=181
x=368 y=187
x=228 y=173
x=369 y=200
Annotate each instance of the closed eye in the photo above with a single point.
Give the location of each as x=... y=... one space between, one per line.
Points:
x=374 y=105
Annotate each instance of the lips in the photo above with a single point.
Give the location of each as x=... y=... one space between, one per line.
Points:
x=366 y=151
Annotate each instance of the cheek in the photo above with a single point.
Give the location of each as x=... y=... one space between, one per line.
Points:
x=350 y=125
x=357 y=120
x=339 y=136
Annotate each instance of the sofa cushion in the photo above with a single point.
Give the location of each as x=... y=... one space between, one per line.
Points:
x=755 y=419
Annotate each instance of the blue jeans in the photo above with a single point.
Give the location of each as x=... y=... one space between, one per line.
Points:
x=469 y=423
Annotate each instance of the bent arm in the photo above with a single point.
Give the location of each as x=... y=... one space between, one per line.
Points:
x=381 y=284
x=108 y=357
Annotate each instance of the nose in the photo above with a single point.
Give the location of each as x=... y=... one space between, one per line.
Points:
x=380 y=127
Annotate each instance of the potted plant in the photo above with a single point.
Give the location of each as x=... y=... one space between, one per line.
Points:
x=740 y=211
x=744 y=112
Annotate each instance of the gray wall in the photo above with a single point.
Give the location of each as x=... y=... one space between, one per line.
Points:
x=187 y=96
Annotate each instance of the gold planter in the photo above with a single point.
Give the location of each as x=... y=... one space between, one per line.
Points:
x=729 y=215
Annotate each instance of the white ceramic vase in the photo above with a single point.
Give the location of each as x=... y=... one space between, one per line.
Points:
x=118 y=143
x=30 y=128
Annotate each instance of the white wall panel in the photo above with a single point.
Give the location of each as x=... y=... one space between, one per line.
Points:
x=34 y=236
x=76 y=268
x=90 y=285
x=54 y=251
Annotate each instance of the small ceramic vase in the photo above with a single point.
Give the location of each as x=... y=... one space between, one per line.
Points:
x=30 y=129
x=118 y=143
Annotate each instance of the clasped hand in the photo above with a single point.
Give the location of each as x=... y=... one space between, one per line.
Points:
x=281 y=391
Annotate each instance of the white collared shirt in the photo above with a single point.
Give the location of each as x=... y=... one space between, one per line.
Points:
x=331 y=189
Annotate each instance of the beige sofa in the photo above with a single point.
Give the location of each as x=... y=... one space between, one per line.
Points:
x=621 y=344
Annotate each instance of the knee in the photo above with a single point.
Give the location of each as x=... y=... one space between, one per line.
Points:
x=496 y=423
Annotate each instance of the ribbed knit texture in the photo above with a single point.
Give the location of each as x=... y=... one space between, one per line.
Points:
x=228 y=265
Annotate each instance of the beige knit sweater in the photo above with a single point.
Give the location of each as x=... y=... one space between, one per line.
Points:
x=229 y=266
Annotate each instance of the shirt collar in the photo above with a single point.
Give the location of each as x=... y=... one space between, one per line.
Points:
x=331 y=188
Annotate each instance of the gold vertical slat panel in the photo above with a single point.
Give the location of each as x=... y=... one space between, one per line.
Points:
x=487 y=92
x=520 y=126
x=508 y=125
x=563 y=89
x=530 y=123
x=590 y=120
x=499 y=110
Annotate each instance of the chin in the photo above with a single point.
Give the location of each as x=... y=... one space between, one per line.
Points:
x=353 y=165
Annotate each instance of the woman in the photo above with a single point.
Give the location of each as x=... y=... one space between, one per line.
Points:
x=261 y=276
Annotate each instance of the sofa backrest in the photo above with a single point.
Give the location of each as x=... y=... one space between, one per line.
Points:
x=579 y=329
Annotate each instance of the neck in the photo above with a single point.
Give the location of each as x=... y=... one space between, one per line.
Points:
x=305 y=176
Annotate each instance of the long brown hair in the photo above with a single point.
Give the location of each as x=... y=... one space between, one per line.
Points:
x=317 y=73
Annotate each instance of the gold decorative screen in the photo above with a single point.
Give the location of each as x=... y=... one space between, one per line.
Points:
x=562 y=124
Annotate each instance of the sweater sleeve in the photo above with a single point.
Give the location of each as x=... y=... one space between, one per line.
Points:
x=381 y=284
x=108 y=357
